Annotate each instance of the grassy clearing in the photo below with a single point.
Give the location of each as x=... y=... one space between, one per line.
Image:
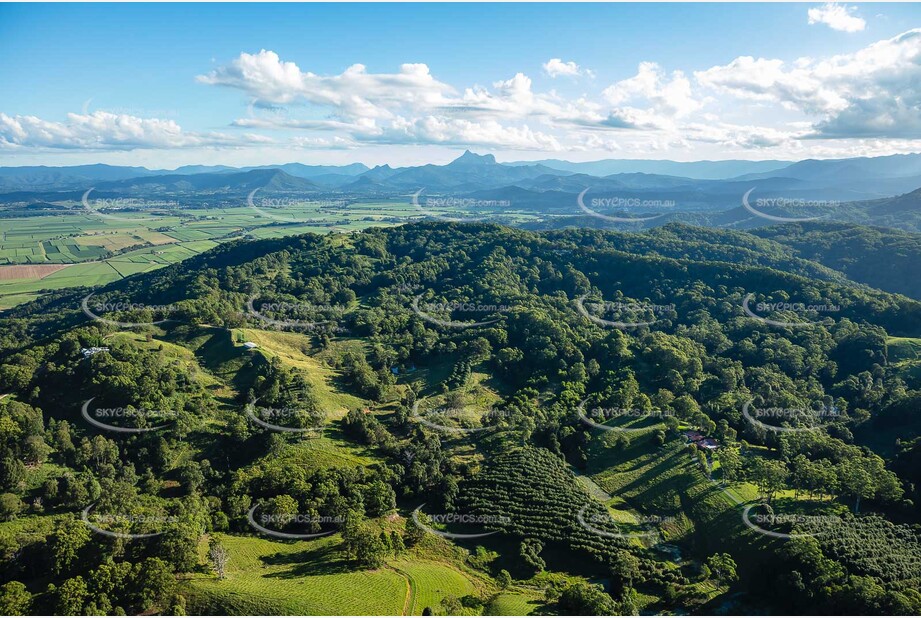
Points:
x=430 y=582
x=312 y=578
x=301 y=578
x=296 y=350
x=904 y=349
x=517 y=602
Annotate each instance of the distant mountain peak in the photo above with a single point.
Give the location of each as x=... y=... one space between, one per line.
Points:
x=470 y=158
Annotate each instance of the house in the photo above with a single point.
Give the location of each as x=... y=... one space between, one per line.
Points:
x=249 y=345
x=87 y=352
x=701 y=440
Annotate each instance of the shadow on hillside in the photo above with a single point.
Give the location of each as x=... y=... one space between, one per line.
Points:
x=326 y=560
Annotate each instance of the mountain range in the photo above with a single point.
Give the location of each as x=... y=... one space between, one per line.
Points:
x=673 y=190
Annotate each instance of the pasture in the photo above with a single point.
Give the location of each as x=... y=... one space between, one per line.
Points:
x=313 y=578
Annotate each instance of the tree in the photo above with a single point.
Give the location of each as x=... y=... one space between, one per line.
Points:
x=379 y=499
x=450 y=605
x=855 y=481
x=730 y=464
x=412 y=533
x=15 y=600
x=369 y=551
x=384 y=539
x=723 y=567
x=529 y=552
x=69 y=537
x=179 y=545
x=12 y=473
x=625 y=567
x=769 y=475
x=396 y=542
x=10 y=506
x=280 y=511
x=70 y=597
x=583 y=599
x=156 y=584
x=191 y=476
x=218 y=556
x=504 y=579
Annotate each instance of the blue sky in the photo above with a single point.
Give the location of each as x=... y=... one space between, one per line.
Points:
x=165 y=85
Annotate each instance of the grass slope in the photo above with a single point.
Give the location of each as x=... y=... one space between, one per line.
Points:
x=312 y=578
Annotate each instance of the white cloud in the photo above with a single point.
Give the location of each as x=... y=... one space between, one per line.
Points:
x=354 y=93
x=666 y=96
x=837 y=17
x=873 y=92
x=105 y=131
x=555 y=67
x=870 y=96
x=461 y=132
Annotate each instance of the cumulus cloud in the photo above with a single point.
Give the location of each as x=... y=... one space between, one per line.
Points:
x=354 y=93
x=873 y=92
x=667 y=96
x=555 y=67
x=837 y=17
x=104 y=131
x=461 y=132
x=870 y=96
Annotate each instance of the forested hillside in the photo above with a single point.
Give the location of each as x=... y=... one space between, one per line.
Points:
x=484 y=419
x=884 y=258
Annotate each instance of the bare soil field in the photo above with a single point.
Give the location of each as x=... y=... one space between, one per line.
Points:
x=29 y=271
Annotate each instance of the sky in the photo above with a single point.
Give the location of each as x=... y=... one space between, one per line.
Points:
x=250 y=84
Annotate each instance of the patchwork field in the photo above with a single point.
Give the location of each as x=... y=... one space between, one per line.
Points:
x=38 y=271
x=138 y=242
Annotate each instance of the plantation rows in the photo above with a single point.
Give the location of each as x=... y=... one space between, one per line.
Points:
x=873 y=546
x=530 y=493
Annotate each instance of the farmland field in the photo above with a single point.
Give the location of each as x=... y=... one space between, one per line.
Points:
x=147 y=241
